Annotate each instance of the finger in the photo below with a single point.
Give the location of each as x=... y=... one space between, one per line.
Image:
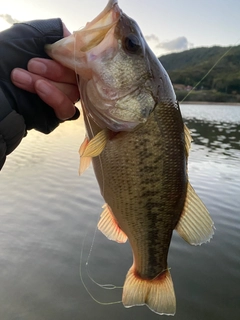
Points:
x=57 y=95
x=26 y=81
x=23 y=79
x=52 y=70
x=70 y=90
x=62 y=105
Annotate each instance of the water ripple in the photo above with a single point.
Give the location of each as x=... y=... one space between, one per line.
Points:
x=46 y=210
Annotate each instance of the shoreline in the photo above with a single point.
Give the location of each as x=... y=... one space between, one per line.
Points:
x=211 y=103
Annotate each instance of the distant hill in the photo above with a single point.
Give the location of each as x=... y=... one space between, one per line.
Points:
x=187 y=68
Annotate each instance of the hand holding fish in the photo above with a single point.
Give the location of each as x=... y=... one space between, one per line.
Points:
x=58 y=87
x=54 y=84
x=39 y=98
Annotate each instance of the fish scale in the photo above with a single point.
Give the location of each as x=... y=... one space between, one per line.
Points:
x=150 y=188
x=139 y=146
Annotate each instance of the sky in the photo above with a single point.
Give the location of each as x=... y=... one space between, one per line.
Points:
x=168 y=25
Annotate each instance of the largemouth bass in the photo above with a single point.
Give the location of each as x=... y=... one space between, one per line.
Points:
x=139 y=147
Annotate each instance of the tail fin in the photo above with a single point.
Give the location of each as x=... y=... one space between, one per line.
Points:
x=158 y=294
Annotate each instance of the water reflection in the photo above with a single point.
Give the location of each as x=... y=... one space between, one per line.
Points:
x=218 y=137
x=215 y=129
x=46 y=210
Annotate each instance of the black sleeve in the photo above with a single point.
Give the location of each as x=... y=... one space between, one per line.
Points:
x=21 y=110
x=12 y=129
x=18 y=45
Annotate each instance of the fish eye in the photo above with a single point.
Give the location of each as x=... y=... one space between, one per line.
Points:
x=132 y=44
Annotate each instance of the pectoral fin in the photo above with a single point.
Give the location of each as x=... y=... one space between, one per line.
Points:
x=96 y=145
x=195 y=225
x=92 y=148
x=84 y=161
x=109 y=226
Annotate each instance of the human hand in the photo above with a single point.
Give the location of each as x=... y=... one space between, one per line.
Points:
x=18 y=45
x=55 y=84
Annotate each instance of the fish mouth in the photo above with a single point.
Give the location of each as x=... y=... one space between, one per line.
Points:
x=97 y=29
x=78 y=52
x=86 y=52
x=72 y=51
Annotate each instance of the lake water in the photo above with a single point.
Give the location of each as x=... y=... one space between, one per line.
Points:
x=49 y=214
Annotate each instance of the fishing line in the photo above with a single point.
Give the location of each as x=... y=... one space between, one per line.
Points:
x=216 y=63
x=83 y=283
x=86 y=117
x=107 y=286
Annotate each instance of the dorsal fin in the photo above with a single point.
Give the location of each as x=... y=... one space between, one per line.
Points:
x=188 y=139
x=195 y=224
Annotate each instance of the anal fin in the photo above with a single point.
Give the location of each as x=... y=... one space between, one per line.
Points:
x=158 y=293
x=109 y=226
x=195 y=224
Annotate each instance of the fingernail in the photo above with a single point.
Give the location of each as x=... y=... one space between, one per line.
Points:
x=21 y=77
x=43 y=87
x=37 y=67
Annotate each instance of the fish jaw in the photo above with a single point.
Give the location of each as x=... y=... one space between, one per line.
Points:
x=75 y=50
